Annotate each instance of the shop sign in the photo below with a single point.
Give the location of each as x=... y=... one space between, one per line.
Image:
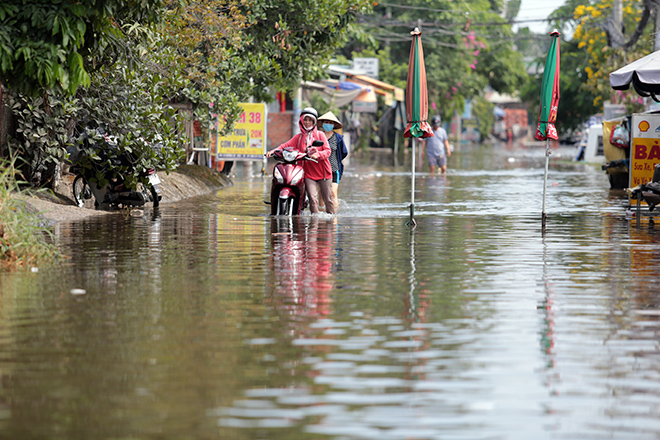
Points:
x=247 y=139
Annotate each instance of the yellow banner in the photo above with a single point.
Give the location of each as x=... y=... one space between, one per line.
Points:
x=247 y=140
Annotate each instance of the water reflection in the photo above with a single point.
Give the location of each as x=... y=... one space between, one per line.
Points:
x=302 y=263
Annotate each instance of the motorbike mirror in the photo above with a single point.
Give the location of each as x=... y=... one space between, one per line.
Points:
x=317 y=144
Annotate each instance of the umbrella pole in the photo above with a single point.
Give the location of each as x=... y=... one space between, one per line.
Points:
x=545 y=180
x=412 y=222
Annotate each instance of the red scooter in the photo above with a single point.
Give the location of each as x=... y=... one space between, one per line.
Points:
x=287 y=192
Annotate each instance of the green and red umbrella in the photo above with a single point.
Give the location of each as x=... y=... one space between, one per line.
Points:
x=546 y=129
x=417 y=107
x=549 y=93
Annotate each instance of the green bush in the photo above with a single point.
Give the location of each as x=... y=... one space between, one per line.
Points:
x=24 y=242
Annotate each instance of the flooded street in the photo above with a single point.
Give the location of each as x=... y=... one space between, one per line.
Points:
x=208 y=319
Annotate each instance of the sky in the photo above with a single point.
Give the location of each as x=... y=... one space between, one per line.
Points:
x=536 y=10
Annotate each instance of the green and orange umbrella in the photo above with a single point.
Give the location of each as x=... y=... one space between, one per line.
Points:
x=417 y=107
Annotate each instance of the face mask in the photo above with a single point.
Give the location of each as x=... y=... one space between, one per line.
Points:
x=328 y=127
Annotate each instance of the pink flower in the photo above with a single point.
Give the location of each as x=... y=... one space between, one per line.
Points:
x=433 y=106
x=459 y=84
x=476 y=52
x=473 y=67
x=211 y=104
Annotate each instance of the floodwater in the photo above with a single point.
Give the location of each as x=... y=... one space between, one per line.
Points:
x=210 y=320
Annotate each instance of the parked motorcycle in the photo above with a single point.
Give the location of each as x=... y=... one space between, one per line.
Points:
x=100 y=183
x=287 y=193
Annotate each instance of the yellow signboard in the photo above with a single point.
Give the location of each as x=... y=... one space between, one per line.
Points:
x=247 y=140
x=645 y=152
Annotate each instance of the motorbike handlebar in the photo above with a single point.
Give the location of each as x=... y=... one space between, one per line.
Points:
x=278 y=155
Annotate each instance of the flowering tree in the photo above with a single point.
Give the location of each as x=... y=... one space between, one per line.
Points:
x=606 y=50
x=466 y=50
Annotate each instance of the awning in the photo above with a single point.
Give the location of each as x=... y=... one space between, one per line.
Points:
x=331 y=93
x=380 y=87
x=643 y=74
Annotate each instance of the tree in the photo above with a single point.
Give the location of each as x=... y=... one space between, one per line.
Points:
x=236 y=50
x=54 y=46
x=605 y=54
x=212 y=53
x=205 y=37
x=464 y=52
x=295 y=39
x=131 y=103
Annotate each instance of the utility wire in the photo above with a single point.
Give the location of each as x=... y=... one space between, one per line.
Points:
x=490 y=23
x=467 y=14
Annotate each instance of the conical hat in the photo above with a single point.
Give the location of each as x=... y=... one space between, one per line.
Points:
x=332 y=118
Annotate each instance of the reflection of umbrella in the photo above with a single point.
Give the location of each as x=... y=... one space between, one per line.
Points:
x=548 y=109
x=644 y=74
x=417 y=108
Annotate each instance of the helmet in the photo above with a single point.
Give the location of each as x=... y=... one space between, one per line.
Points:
x=436 y=120
x=310 y=111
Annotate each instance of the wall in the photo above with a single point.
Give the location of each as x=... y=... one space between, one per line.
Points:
x=517 y=120
x=280 y=129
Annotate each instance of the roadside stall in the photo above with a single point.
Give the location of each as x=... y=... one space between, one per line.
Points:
x=644 y=181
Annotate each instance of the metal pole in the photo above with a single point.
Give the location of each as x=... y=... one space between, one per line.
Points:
x=545 y=179
x=411 y=222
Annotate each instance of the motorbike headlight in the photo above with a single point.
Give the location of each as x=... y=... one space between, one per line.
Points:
x=289 y=156
x=278 y=175
x=297 y=177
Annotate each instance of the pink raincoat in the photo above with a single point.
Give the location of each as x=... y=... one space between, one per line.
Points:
x=313 y=170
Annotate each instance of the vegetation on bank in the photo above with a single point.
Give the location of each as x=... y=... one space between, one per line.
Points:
x=24 y=242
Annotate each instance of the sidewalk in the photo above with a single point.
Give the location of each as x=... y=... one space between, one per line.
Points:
x=187 y=181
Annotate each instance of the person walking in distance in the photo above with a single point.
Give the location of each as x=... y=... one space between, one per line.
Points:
x=318 y=175
x=437 y=147
x=329 y=123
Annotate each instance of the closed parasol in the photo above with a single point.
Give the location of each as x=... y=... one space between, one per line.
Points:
x=546 y=129
x=417 y=108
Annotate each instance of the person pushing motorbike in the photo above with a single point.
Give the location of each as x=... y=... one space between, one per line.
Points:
x=318 y=173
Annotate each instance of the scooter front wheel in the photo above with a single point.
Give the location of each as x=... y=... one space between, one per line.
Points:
x=285 y=206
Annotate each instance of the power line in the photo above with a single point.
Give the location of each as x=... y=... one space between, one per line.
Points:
x=429 y=27
x=468 y=13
